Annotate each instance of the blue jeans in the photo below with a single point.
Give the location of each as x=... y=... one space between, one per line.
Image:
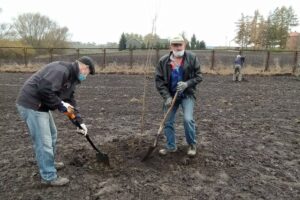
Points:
x=44 y=135
x=187 y=105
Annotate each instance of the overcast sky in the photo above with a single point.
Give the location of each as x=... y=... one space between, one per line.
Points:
x=104 y=21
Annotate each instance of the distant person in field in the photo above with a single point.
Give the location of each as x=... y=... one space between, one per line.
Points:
x=237 y=67
x=178 y=71
x=51 y=88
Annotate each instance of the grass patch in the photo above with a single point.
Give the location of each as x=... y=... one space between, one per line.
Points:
x=251 y=70
x=138 y=69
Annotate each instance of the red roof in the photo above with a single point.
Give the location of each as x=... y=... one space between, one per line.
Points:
x=294 y=34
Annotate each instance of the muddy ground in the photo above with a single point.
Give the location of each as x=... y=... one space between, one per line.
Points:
x=248 y=142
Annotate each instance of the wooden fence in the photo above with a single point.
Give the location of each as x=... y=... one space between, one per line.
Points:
x=106 y=57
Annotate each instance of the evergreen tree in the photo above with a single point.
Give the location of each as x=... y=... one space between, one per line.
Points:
x=122 y=43
x=260 y=40
x=143 y=46
x=270 y=33
x=254 y=34
x=202 y=45
x=243 y=34
x=197 y=44
x=282 y=20
x=193 y=42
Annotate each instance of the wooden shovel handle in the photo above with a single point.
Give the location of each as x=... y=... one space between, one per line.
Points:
x=167 y=113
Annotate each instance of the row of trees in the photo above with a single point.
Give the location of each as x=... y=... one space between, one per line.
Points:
x=271 y=32
x=196 y=44
x=133 y=41
x=39 y=31
x=35 y=30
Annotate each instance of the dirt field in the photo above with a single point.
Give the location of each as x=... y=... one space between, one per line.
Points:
x=248 y=142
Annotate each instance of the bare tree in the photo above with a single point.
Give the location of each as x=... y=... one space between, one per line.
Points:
x=56 y=38
x=183 y=34
x=135 y=36
x=39 y=31
x=5 y=30
x=151 y=40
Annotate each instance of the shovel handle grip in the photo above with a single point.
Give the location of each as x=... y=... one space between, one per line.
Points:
x=70 y=115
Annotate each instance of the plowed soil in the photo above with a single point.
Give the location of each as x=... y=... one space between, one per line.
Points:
x=248 y=137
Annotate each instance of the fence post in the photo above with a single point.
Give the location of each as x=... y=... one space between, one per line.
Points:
x=51 y=54
x=130 y=58
x=78 y=53
x=267 y=61
x=157 y=56
x=295 y=61
x=212 y=60
x=104 y=58
x=25 y=56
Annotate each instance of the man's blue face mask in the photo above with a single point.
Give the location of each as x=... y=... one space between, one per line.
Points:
x=81 y=77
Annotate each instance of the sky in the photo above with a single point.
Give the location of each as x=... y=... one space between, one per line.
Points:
x=99 y=22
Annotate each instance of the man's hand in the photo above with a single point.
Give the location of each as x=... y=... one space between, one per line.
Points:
x=168 y=102
x=82 y=131
x=181 y=86
x=65 y=107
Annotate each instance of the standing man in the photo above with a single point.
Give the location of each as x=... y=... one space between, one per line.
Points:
x=178 y=71
x=238 y=64
x=51 y=88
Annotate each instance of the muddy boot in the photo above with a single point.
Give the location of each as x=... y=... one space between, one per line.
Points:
x=165 y=151
x=191 y=150
x=59 y=165
x=60 y=181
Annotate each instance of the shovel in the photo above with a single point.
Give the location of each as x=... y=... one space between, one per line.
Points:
x=101 y=157
x=151 y=148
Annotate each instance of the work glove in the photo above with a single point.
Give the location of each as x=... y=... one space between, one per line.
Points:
x=168 y=102
x=82 y=131
x=65 y=107
x=181 y=86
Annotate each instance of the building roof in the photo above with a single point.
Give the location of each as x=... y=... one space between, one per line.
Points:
x=294 y=34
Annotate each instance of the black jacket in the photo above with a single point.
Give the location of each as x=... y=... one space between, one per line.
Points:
x=45 y=89
x=191 y=74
